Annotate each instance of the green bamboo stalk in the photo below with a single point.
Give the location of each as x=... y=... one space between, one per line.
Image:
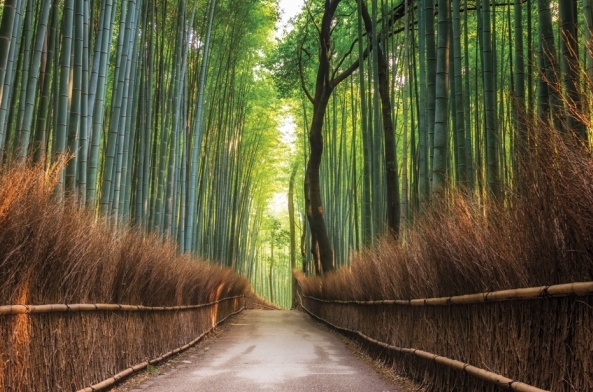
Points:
x=197 y=138
x=31 y=91
x=97 y=103
x=459 y=96
x=76 y=97
x=59 y=145
x=83 y=153
x=439 y=166
x=6 y=32
x=9 y=85
x=114 y=136
x=42 y=131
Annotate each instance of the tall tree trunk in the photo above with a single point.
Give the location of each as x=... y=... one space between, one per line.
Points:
x=460 y=97
x=321 y=248
x=431 y=70
x=59 y=145
x=367 y=221
x=6 y=26
x=76 y=96
x=439 y=166
x=31 y=92
x=98 y=107
x=424 y=182
x=391 y=166
x=519 y=111
x=550 y=67
x=292 y=227
x=492 y=139
x=570 y=68
x=193 y=179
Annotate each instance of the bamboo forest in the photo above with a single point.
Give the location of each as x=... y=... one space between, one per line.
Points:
x=171 y=110
x=347 y=150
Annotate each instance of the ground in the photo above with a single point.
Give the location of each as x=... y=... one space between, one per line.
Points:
x=187 y=360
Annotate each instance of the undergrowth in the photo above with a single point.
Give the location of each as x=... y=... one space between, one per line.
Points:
x=57 y=252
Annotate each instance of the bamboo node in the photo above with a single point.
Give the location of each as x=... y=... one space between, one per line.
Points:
x=544 y=293
x=465 y=365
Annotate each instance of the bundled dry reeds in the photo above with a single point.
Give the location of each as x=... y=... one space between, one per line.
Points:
x=541 y=234
x=56 y=253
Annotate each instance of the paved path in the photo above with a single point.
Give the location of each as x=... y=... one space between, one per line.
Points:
x=271 y=351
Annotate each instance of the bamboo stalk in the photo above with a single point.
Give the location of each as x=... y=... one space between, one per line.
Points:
x=125 y=373
x=452 y=363
x=560 y=290
x=60 y=308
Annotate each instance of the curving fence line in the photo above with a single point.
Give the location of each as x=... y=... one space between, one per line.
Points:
x=360 y=315
x=39 y=341
x=452 y=363
x=64 y=308
x=141 y=366
x=559 y=290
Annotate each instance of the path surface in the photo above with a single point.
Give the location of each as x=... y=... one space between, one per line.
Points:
x=271 y=351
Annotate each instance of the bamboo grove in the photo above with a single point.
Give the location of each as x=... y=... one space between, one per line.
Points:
x=402 y=102
x=169 y=112
x=161 y=106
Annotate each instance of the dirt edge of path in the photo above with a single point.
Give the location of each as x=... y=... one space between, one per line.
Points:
x=133 y=382
x=386 y=373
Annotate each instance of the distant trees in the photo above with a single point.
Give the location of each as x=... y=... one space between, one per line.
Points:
x=331 y=71
x=451 y=95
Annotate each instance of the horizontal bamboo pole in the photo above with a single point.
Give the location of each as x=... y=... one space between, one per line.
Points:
x=559 y=290
x=452 y=363
x=59 y=308
x=123 y=374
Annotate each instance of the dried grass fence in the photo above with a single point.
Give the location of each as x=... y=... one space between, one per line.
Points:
x=539 y=233
x=70 y=347
x=488 y=341
x=57 y=252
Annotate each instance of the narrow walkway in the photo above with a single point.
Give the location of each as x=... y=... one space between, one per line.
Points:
x=274 y=351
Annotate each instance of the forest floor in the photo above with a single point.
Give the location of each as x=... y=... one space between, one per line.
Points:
x=270 y=350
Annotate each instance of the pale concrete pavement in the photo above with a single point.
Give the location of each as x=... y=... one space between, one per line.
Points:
x=271 y=351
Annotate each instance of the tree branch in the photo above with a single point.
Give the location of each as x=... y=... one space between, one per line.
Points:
x=301 y=74
x=348 y=53
x=312 y=18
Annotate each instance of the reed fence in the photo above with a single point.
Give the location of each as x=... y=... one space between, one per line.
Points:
x=89 y=347
x=542 y=336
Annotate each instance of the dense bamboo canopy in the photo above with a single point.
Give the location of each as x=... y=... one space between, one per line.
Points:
x=190 y=118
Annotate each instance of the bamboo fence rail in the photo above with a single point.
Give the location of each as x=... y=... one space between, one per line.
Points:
x=64 y=308
x=105 y=338
x=452 y=363
x=136 y=368
x=560 y=290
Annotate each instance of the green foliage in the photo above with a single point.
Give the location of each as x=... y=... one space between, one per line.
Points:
x=152 y=369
